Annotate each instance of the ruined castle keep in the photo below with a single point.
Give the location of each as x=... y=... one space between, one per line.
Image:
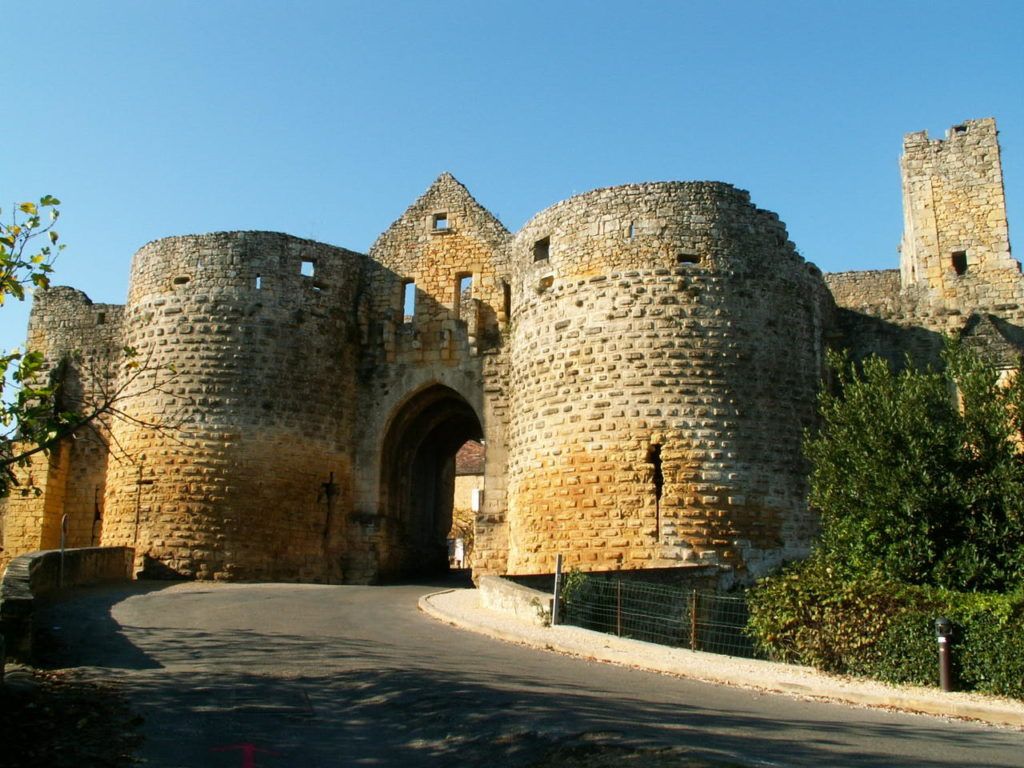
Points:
x=639 y=362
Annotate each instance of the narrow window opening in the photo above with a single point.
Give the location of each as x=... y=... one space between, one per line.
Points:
x=658 y=481
x=959 y=259
x=181 y=279
x=463 y=291
x=542 y=249
x=440 y=222
x=506 y=296
x=631 y=232
x=308 y=268
x=408 y=301
x=687 y=258
x=259 y=282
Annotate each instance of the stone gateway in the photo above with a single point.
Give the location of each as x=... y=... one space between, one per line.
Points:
x=639 y=363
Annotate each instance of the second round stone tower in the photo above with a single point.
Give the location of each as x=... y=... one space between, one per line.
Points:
x=665 y=354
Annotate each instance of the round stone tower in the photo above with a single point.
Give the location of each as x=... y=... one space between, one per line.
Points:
x=665 y=353
x=244 y=350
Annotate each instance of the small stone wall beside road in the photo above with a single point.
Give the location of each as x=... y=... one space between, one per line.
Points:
x=42 y=573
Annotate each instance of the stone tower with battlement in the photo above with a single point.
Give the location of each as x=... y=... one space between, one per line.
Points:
x=639 y=364
x=954 y=209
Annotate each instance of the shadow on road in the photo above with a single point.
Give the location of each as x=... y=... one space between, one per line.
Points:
x=78 y=628
x=326 y=676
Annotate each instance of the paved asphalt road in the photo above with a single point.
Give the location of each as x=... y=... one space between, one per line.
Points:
x=352 y=676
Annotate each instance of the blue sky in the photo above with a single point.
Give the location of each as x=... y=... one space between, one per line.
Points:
x=327 y=119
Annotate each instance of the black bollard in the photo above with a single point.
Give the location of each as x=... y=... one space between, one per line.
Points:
x=944 y=633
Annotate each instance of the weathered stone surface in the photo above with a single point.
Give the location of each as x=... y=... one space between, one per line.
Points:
x=638 y=362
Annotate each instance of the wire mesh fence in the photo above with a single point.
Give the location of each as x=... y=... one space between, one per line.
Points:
x=685 y=618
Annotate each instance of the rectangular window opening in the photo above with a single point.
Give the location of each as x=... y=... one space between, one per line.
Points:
x=308 y=268
x=542 y=249
x=687 y=258
x=408 y=301
x=959 y=259
x=506 y=295
x=101 y=318
x=259 y=282
x=631 y=232
x=463 y=291
x=440 y=222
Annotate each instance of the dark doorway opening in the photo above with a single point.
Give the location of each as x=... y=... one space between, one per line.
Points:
x=418 y=481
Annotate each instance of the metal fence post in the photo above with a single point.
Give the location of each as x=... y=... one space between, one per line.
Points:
x=558 y=590
x=63 y=542
x=618 y=608
x=693 y=621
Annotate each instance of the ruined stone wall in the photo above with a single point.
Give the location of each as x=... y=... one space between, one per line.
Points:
x=81 y=346
x=957 y=275
x=954 y=208
x=251 y=341
x=866 y=289
x=663 y=335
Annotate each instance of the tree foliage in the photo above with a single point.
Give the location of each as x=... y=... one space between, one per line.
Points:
x=37 y=410
x=919 y=476
x=28 y=247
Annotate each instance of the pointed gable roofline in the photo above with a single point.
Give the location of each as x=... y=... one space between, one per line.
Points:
x=446 y=194
x=1000 y=341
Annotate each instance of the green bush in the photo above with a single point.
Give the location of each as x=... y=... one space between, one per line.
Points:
x=906 y=652
x=919 y=475
x=886 y=630
x=809 y=615
x=989 y=646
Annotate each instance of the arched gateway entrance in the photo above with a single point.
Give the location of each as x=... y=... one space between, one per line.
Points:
x=418 y=480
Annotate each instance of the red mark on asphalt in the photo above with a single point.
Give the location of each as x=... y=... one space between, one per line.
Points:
x=248 y=752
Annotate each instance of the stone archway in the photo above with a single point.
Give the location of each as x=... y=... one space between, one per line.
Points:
x=418 y=480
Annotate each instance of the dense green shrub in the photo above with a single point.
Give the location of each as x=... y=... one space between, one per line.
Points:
x=989 y=646
x=917 y=475
x=886 y=630
x=906 y=652
x=808 y=614
x=919 y=478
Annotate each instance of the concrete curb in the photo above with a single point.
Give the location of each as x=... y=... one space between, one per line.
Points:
x=721 y=670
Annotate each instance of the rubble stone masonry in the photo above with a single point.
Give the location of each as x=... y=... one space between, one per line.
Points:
x=639 y=364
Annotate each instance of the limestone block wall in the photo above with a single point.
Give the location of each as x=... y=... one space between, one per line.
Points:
x=443 y=242
x=81 y=348
x=452 y=254
x=250 y=343
x=639 y=362
x=954 y=208
x=665 y=352
x=957 y=276
x=876 y=317
x=865 y=289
